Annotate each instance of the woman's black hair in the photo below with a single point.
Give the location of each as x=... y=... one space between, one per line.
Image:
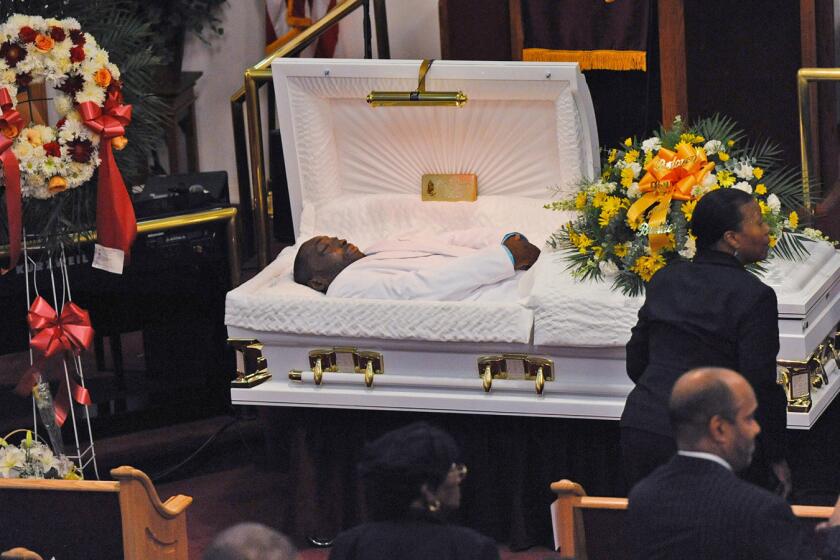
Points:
x=395 y=466
x=716 y=213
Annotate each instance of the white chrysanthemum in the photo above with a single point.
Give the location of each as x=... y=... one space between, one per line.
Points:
x=633 y=191
x=743 y=186
x=70 y=24
x=712 y=146
x=63 y=104
x=31 y=64
x=15 y=22
x=73 y=117
x=100 y=58
x=40 y=192
x=3 y=65
x=709 y=180
x=52 y=22
x=637 y=169
x=91 y=92
x=21 y=148
x=608 y=268
x=61 y=51
x=774 y=203
x=743 y=170
x=652 y=144
x=115 y=72
x=48 y=166
x=689 y=249
x=89 y=68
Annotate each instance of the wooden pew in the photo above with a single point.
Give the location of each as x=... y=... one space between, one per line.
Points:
x=94 y=520
x=573 y=511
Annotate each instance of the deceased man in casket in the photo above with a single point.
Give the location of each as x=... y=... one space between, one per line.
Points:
x=461 y=265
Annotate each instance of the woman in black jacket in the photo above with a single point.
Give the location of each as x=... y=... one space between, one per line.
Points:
x=412 y=481
x=709 y=311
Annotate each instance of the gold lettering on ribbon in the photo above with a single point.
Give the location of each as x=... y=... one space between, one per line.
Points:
x=671 y=175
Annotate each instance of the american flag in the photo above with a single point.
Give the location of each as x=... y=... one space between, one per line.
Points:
x=287 y=18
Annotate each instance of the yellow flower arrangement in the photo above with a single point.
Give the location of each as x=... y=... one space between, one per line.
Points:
x=635 y=218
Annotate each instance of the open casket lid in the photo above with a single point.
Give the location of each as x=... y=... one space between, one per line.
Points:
x=526 y=127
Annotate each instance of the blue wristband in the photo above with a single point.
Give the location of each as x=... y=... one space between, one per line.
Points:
x=512 y=261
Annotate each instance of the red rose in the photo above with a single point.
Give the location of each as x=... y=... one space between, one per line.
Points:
x=52 y=149
x=77 y=54
x=23 y=79
x=27 y=34
x=57 y=34
x=77 y=37
x=60 y=122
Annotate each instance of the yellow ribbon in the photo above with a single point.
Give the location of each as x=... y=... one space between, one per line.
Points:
x=669 y=176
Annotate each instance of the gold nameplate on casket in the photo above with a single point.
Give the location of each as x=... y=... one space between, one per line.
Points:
x=515 y=366
x=450 y=187
x=251 y=365
x=343 y=359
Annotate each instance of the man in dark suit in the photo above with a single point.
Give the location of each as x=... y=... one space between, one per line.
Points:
x=695 y=507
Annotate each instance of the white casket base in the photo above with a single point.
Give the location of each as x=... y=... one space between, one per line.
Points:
x=355 y=172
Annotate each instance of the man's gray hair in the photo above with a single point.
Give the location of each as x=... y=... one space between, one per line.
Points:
x=250 y=541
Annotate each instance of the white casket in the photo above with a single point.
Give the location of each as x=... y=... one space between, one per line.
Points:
x=355 y=171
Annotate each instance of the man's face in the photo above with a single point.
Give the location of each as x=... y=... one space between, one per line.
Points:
x=327 y=256
x=741 y=443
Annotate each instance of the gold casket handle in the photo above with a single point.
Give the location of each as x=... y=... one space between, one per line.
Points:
x=487 y=379
x=369 y=374
x=539 y=381
x=318 y=372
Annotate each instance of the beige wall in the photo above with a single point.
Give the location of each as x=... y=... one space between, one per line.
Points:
x=413 y=33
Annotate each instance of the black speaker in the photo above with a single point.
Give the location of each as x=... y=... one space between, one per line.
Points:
x=169 y=195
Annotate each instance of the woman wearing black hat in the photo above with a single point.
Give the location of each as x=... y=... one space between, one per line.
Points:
x=710 y=311
x=412 y=480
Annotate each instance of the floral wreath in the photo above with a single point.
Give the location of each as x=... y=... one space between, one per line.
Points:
x=42 y=161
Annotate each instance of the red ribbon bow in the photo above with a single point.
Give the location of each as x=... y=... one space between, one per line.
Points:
x=116 y=225
x=61 y=402
x=11 y=122
x=52 y=333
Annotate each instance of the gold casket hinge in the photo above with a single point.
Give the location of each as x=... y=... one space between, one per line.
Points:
x=515 y=366
x=251 y=365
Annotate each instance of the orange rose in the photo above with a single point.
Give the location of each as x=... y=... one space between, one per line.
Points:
x=44 y=43
x=102 y=77
x=57 y=184
x=119 y=142
x=10 y=131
